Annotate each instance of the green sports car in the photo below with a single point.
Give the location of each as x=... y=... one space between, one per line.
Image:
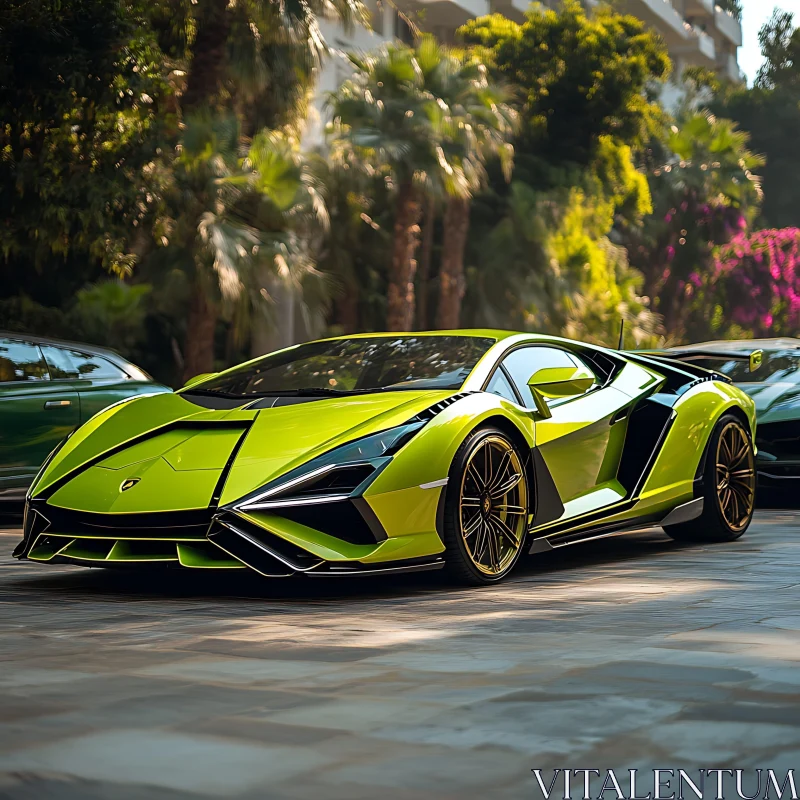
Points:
x=384 y=453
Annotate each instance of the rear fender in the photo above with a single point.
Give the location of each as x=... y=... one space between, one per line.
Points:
x=697 y=412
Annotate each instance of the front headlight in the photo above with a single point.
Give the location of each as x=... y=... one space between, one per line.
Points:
x=337 y=475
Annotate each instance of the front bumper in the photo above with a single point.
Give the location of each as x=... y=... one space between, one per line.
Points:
x=220 y=539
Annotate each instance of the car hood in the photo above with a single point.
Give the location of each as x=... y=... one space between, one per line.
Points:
x=165 y=453
x=775 y=402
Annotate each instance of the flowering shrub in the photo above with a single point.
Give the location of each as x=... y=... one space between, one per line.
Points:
x=754 y=283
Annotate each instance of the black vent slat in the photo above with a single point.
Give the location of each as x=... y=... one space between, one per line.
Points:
x=431 y=412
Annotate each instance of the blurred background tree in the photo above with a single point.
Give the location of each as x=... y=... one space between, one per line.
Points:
x=587 y=101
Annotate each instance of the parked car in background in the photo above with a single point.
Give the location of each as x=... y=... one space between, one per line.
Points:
x=48 y=388
x=774 y=385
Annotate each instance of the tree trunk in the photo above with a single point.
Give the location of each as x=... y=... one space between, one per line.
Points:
x=346 y=310
x=201 y=326
x=400 y=293
x=451 y=273
x=208 y=54
x=428 y=225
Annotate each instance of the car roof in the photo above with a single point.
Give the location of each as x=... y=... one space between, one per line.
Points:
x=91 y=349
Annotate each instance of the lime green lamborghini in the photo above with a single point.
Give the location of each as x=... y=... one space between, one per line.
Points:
x=387 y=453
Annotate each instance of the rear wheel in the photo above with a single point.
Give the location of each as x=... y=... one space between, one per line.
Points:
x=486 y=508
x=729 y=487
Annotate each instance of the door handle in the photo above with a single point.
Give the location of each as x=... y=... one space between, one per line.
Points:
x=58 y=404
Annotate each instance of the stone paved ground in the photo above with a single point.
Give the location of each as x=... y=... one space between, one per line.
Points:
x=626 y=652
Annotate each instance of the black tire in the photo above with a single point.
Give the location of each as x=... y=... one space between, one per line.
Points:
x=498 y=556
x=721 y=493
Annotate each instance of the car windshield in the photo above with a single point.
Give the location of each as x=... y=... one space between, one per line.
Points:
x=355 y=365
x=778 y=366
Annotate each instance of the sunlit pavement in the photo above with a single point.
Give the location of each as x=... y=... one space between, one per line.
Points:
x=626 y=652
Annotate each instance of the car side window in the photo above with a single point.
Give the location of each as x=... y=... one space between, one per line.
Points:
x=500 y=385
x=95 y=367
x=59 y=363
x=21 y=361
x=525 y=361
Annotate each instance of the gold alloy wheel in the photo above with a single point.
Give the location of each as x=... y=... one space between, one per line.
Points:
x=493 y=505
x=736 y=476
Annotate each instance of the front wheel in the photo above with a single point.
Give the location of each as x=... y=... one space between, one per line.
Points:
x=486 y=508
x=729 y=480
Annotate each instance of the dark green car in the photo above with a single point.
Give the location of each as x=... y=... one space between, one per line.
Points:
x=774 y=385
x=48 y=388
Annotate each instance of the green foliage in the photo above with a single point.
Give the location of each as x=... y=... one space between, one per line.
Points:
x=384 y=119
x=585 y=106
x=109 y=313
x=704 y=191
x=356 y=248
x=108 y=166
x=422 y=114
x=426 y=119
x=581 y=78
x=113 y=313
x=550 y=266
x=780 y=46
x=82 y=110
x=770 y=112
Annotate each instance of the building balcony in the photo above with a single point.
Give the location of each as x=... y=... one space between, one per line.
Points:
x=728 y=26
x=698 y=49
x=661 y=15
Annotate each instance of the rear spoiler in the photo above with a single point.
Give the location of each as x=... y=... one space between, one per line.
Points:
x=752 y=357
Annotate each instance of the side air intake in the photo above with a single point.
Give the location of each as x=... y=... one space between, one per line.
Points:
x=429 y=413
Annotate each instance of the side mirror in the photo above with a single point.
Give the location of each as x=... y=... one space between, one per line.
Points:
x=756 y=357
x=557 y=382
x=197 y=378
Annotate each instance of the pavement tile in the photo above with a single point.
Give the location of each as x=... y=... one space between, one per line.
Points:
x=632 y=651
x=168 y=760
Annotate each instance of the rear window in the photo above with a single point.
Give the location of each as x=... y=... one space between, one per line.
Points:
x=21 y=361
x=95 y=367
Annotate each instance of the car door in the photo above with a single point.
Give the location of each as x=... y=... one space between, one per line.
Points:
x=581 y=443
x=36 y=413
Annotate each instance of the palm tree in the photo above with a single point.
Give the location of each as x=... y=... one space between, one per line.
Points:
x=245 y=226
x=385 y=120
x=475 y=123
x=242 y=67
x=428 y=120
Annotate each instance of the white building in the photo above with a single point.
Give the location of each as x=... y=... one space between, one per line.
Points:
x=697 y=33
